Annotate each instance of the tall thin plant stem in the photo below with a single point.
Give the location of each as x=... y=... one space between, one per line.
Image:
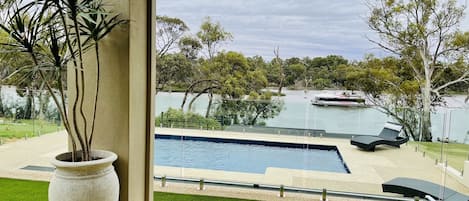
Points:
x=61 y=112
x=98 y=72
x=81 y=76
x=75 y=64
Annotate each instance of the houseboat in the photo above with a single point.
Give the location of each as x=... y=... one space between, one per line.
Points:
x=342 y=100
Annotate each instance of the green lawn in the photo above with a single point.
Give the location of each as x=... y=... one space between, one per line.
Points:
x=22 y=128
x=23 y=190
x=457 y=153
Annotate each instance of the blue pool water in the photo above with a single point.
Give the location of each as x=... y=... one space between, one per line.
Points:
x=244 y=155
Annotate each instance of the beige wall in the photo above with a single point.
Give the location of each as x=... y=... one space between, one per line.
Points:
x=125 y=114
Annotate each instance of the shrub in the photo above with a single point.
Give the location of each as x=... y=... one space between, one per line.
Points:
x=178 y=119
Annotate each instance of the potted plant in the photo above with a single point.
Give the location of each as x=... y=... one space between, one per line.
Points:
x=55 y=34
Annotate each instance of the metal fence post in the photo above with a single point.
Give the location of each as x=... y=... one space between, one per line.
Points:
x=201 y=184
x=163 y=181
x=282 y=191
x=324 y=195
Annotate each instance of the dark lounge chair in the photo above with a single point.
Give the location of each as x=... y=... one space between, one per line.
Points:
x=416 y=187
x=388 y=136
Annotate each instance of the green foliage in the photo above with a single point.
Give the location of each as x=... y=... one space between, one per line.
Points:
x=190 y=46
x=321 y=83
x=54 y=34
x=169 y=31
x=425 y=34
x=172 y=68
x=178 y=119
x=388 y=85
x=232 y=75
x=295 y=72
x=211 y=35
x=252 y=111
x=6 y=3
x=384 y=76
x=324 y=72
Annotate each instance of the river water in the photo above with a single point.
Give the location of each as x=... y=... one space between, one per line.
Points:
x=451 y=121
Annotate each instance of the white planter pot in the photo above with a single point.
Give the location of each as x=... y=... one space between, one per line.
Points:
x=94 y=180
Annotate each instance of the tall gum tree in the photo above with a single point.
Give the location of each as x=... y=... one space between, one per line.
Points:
x=426 y=34
x=169 y=31
x=211 y=35
x=170 y=66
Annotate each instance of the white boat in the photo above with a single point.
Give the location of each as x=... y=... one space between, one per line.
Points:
x=342 y=100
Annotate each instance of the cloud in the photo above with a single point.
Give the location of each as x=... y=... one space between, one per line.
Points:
x=299 y=27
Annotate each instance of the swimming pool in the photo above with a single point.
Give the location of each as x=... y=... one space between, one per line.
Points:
x=244 y=155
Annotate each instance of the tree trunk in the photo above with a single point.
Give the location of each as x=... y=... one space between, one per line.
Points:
x=28 y=107
x=426 y=120
x=426 y=96
x=280 y=87
x=254 y=120
x=210 y=99
x=43 y=105
x=184 y=99
x=190 y=89
x=2 y=113
x=198 y=95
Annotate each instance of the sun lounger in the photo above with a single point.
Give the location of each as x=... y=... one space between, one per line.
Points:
x=388 y=136
x=415 y=187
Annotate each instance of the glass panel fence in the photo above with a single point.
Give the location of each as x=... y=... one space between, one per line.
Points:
x=26 y=114
x=446 y=150
x=289 y=141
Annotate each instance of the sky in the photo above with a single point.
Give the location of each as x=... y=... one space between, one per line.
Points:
x=299 y=28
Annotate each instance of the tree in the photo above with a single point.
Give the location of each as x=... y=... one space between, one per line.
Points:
x=189 y=46
x=425 y=34
x=11 y=61
x=261 y=107
x=178 y=119
x=168 y=34
x=279 y=67
x=325 y=72
x=294 y=73
x=171 y=68
x=388 y=83
x=250 y=111
x=257 y=62
x=229 y=75
x=211 y=35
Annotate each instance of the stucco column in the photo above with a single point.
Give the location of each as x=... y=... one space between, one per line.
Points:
x=125 y=117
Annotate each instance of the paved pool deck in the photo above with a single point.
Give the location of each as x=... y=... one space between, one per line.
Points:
x=368 y=169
